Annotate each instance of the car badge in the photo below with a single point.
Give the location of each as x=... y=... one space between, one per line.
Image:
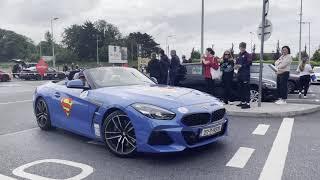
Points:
x=66 y=104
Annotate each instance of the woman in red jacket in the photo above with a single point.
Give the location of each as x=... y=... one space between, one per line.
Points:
x=209 y=61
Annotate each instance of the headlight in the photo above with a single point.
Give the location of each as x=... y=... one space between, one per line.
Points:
x=154 y=112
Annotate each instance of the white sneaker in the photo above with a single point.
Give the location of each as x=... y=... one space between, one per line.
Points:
x=231 y=102
x=278 y=101
x=305 y=97
x=283 y=102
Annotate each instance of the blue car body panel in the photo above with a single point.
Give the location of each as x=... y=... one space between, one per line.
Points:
x=89 y=109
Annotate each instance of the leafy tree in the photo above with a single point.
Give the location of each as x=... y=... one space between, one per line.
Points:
x=195 y=55
x=316 y=56
x=13 y=45
x=145 y=40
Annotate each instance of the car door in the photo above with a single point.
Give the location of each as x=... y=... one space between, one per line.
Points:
x=71 y=111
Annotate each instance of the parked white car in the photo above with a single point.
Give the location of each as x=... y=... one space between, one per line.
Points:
x=316 y=71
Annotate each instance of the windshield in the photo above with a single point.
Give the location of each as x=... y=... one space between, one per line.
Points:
x=117 y=76
x=316 y=69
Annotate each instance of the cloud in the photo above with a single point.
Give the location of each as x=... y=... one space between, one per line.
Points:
x=226 y=21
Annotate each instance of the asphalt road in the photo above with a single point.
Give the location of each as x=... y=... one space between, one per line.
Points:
x=241 y=155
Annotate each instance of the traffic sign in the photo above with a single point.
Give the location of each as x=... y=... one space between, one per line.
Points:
x=267 y=30
x=42 y=67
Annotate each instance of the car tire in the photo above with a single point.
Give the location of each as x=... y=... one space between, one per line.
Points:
x=254 y=95
x=291 y=87
x=4 y=78
x=119 y=135
x=43 y=115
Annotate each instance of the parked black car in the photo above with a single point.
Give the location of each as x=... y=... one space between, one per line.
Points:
x=191 y=76
x=32 y=74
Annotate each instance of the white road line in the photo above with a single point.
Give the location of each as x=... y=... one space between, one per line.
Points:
x=240 y=158
x=274 y=165
x=14 y=102
x=96 y=143
x=19 y=132
x=261 y=129
x=3 y=177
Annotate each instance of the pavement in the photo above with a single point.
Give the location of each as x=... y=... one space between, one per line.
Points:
x=273 y=110
x=266 y=148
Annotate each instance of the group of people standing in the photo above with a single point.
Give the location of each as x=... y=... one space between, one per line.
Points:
x=225 y=67
x=165 y=70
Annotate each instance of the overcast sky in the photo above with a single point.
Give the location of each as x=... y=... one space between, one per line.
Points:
x=226 y=21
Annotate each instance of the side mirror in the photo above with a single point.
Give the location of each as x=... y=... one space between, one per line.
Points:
x=154 y=80
x=76 y=84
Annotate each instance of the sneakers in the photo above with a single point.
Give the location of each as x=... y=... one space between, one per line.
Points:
x=245 y=106
x=231 y=102
x=241 y=104
x=281 y=102
x=300 y=95
x=305 y=97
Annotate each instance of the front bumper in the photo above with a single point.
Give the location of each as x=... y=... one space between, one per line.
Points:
x=158 y=136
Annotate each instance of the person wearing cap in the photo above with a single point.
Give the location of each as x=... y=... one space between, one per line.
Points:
x=243 y=64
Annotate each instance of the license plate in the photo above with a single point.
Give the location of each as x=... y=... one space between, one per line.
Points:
x=210 y=131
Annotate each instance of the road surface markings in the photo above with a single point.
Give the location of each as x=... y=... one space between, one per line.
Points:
x=14 y=102
x=19 y=132
x=240 y=158
x=86 y=170
x=3 y=177
x=98 y=143
x=274 y=165
x=261 y=129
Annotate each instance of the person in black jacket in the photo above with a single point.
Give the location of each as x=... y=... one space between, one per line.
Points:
x=154 y=67
x=243 y=64
x=227 y=68
x=174 y=67
x=164 y=68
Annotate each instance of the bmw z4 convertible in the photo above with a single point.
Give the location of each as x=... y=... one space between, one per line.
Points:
x=129 y=112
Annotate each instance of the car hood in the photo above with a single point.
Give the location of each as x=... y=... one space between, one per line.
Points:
x=164 y=96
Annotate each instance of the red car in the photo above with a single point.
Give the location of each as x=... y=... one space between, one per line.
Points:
x=4 y=77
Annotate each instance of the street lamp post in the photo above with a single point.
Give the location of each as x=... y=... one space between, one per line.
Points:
x=251 y=38
x=167 y=48
x=309 y=25
x=98 y=50
x=300 y=31
x=53 y=55
x=202 y=27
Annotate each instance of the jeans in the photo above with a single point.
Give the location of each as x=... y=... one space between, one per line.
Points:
x=304 y=84
x=282 y=85
x=210 y=86
x=227 y=79
x=244 y=91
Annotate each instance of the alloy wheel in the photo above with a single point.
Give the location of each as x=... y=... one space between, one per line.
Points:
x=42 y=113
x=120 y=135
x=254 y=96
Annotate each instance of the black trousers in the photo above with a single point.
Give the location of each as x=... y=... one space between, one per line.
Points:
x=304 y=84
x=244 y=91
x=210 y=86
x=282 y=85
x=227 y=79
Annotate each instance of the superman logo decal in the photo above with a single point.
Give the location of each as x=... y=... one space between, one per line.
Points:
x=66 y=104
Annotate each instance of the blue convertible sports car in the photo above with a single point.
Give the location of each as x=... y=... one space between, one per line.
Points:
x=129 y=112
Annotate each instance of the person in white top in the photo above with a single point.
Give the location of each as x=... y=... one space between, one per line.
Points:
x=283 y=72
x=305 y=71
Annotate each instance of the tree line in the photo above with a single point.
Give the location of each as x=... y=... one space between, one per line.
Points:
x=79 y=43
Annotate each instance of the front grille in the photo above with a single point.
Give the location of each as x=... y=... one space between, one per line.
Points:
x=218 y=115
x=196 y=119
